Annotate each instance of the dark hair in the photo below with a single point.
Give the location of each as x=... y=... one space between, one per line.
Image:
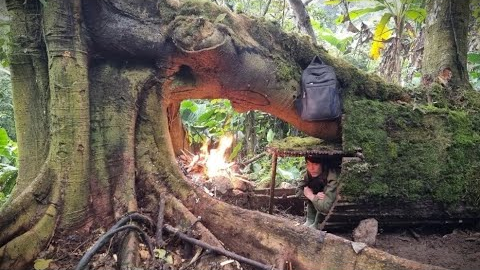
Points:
x=315 y=159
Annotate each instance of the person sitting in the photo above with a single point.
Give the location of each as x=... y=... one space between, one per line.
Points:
x=319 y=186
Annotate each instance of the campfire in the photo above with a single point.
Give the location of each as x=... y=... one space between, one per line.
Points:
x=210 y=168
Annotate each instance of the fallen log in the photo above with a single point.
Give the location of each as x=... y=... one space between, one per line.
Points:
x=348 y=213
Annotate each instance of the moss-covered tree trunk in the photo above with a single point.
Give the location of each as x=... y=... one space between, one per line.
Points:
x=446 y=45
x=96 y=85
x=426 y=149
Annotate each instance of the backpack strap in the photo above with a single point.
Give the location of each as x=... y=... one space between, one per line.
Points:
x=316 y=60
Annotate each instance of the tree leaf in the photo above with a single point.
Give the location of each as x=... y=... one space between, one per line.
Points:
x=473 y=57
x=416 y=14
x=4 y=139
x=206 y=116
x=41 y=264
x=160 y=253
x=355 y=14
x=220 y=17
x=8 y=180
x=382 y=33
x=270 y=135
x=235 y=151
x=332 y=2
x=169 y=259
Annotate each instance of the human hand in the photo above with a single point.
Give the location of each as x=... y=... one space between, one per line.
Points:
x=320 y=195
x=308 y=193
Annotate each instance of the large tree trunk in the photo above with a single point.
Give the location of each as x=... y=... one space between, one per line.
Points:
x=92 y=92
x=446 y=46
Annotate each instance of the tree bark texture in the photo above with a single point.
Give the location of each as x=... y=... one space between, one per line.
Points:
x=446 y=45
x=93 y=84
x=303 y=19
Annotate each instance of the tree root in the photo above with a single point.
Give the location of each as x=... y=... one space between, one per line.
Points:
x=17 y=253
x=24 y=205
x=176 y=213
x=28 y=225
x=237 y=257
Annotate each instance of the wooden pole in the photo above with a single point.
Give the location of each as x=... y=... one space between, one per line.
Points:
x=272 y=184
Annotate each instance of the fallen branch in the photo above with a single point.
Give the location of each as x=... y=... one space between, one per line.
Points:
x=224 y=252
x=255 y=158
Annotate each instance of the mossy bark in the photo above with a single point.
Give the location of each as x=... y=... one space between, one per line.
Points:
x=446 y=45
x=412 y=152
x=95 y=140
x=426 y=149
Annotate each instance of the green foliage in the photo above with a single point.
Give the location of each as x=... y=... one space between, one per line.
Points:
x=473 y=66
x=327 y=35
x=358 y=13
x=209 y=120
x=8 y=165
x=382 y=15
x=4 y=43
x=6 y=105
x=289 y=169
x=206 y=120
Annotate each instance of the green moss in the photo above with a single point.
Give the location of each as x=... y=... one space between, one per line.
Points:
x=206 y=10
x=473 y=99
x=303 y=144
x=412 y=153
x=286 y=71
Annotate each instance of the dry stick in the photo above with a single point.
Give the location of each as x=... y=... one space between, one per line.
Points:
x=255 y=158
x=330 y=212
x=161 y=210
x=224 y=252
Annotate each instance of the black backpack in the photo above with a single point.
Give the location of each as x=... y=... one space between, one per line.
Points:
x=319 y=97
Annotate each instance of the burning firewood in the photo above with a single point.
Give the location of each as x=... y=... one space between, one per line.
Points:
x=211 y=169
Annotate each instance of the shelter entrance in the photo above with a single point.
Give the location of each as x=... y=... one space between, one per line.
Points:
x=332 y=153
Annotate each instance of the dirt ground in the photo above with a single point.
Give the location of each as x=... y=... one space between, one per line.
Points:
x=456 y=248
x=452 y=248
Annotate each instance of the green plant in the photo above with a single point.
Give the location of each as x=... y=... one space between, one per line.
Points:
x=6 y=104
x=8 y=165
x=289 y=169
x=4 y=43
x=394 y=32
x=474 y=69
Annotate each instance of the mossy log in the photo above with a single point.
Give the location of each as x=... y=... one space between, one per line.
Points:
x=349 y=212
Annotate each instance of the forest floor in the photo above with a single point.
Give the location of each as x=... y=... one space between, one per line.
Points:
x=452 y=248
x=449 y=247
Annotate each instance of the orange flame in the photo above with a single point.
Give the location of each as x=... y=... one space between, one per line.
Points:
x=215 y=161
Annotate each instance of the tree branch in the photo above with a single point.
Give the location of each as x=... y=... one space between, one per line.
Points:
x=303 y=20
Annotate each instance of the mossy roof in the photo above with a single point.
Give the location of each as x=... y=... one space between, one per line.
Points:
x=308 y=146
